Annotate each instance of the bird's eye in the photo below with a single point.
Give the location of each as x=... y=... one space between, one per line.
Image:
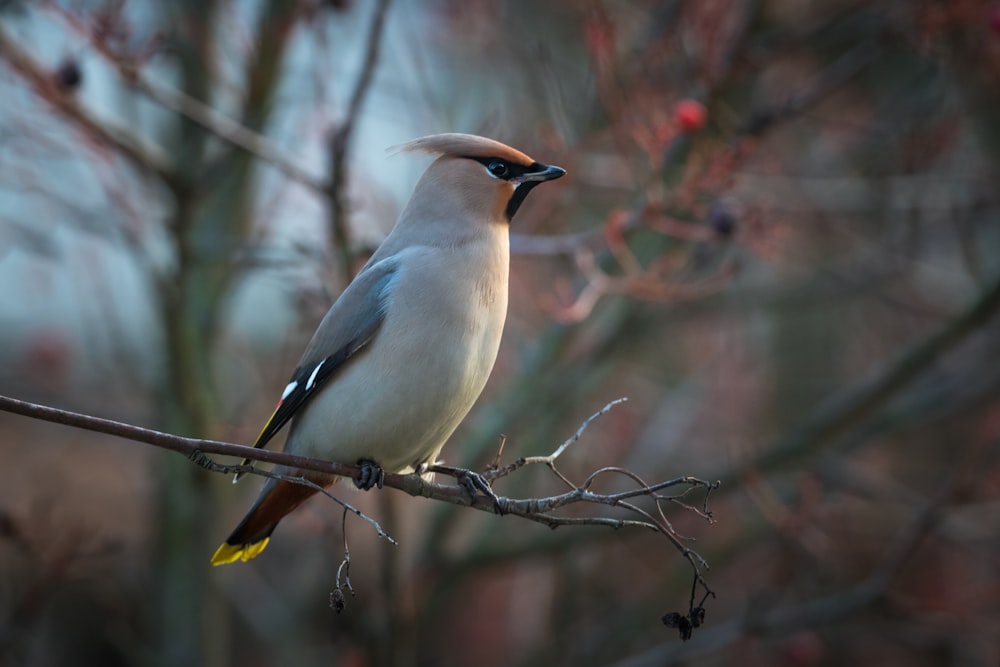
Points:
x=498 y=169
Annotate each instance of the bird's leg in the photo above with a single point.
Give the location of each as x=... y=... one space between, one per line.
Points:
x=472 y=482
x=371 y=475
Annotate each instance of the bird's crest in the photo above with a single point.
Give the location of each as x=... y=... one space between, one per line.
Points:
x=464 y=145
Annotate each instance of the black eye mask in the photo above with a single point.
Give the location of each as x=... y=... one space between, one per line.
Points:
x=526 y=177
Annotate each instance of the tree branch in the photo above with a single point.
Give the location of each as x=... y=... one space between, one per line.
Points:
x=821 y=86
x=216 y=122
x=539 y=510
x=847 y=410
x=535 y=509
x=341 y=140
x=148 y=158
x=226 y=128
x=826 y=609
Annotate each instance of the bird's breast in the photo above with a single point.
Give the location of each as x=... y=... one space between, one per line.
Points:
x=457 y=298
x=409 y=390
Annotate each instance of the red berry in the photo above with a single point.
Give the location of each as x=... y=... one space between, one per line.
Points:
x=689 y=115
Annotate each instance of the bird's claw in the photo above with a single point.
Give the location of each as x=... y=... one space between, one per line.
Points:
x=472 y=482
x=371 y=475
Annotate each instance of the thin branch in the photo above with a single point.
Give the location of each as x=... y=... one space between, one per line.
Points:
x=216 y=122
x=539 y=510
x=414 y=485
x=576 y=436
x=176 y=443
x=343 y=580
x=496 y=472
x=148 y=158
x=341 y=140
x=849 y=409
x=816 y=612
x=200 y=459
x=822 y=86
x=227 y=129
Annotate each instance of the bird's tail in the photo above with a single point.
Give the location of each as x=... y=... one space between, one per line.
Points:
x=251 y=536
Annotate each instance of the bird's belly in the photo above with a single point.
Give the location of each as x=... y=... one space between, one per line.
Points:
x=398 y=402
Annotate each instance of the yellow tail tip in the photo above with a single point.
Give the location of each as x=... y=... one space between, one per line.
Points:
x=230 y=553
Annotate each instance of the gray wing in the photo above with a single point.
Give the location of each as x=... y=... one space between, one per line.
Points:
x=347 y=328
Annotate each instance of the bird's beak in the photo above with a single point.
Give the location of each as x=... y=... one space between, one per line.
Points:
x=546 y=173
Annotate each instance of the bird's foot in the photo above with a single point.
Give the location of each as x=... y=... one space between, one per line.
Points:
x=371 y=475
x=472 y=482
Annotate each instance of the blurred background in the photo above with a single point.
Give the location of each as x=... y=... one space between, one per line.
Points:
x=778 y=238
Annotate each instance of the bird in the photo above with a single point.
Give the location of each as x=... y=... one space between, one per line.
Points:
x=406 y=349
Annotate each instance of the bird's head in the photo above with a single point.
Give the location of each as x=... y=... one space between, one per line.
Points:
x=476 y=176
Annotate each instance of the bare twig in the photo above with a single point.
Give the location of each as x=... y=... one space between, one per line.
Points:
x=823 y=84
x=337 y=598
x=341 y=140
x=226 y=128
x=534 y=509
x=648 y=284
x=148 y=158
x=579 y=432
x=216 y=122
x=499 y=455
x=199 y=458
x=539 y=510
x=496 y=472
x=816 y=612
x=851 y=408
